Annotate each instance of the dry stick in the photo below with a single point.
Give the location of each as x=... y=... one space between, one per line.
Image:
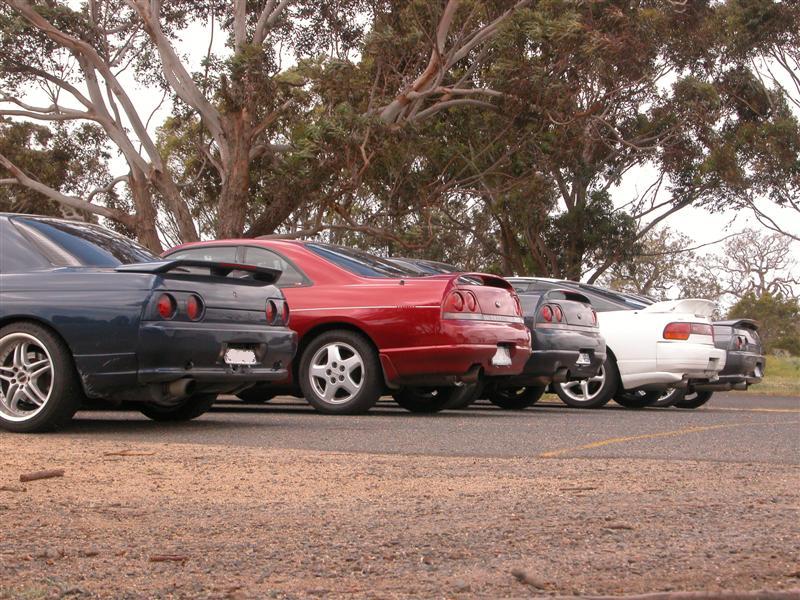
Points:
x=41 y=475
x=758 y=595
x=129 y=453
x=168 y=558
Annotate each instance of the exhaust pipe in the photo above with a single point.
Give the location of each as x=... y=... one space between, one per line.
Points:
x=180 y=389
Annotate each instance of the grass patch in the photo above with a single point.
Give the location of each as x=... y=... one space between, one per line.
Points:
x=781 y=377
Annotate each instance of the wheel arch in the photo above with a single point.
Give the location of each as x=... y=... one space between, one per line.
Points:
x=10 y=320
x=321 y=328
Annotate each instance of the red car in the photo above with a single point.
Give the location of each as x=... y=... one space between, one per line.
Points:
x=366 y=325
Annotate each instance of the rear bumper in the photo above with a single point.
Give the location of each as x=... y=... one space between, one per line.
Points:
x=469 y=353
x=742 y=369
x=676 y=363
x=171 y=351
x=555 y=355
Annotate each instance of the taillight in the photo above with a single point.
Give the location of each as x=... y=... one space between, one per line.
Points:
x=741 y=342
x=272 y=311
x=559 y=314
x=166 y=306
x=682 y=331
x=547 y=313
x=194 y=308
x=285 y=313
x=594 y=317
x=454 y=302
x=518 y=305
x=472 y=301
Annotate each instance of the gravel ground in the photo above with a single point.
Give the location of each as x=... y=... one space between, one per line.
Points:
x=253 y=523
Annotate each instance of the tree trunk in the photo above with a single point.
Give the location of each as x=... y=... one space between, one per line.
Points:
x=146 y=213
x=235 y=193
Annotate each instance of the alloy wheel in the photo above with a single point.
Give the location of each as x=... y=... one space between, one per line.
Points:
x=26 y=376
x=336 y=373
x=585 y=390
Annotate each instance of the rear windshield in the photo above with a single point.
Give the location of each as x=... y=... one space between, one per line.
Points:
x=360 y=262
x=72 y=243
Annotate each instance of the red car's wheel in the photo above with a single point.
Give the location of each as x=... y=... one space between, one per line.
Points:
x=340 y=373
x=518 y=398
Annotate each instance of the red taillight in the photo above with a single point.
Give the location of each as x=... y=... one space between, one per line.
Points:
x=517 y=305
x=194 y=308
x=558 y=313
x=455 y=301
x=682 y=331
x=166 y=306
x=547 y=313
x=285 y=313
x=472 y=302
x=272 y=311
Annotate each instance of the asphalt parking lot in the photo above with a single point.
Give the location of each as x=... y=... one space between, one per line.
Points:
x=732 y=428
x=275 y=501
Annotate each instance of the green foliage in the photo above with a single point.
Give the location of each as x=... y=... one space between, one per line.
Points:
x=778 y=317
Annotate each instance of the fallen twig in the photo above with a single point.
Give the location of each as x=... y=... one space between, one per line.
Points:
x=49 y=474
x=129 y=453
x=12 y=488
x=169 y=558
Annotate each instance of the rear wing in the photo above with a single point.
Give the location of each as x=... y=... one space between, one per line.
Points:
x=740 y=324
x=560 y=294
x=483 y=279
x=220 y=270
x=693 y=306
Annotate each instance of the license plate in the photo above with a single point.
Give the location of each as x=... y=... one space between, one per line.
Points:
x=583 y=359
x=237 y=356
x=502 y=358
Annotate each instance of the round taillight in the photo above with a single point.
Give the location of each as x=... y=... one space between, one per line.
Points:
x=558 y=313
x=285 y=313
x=272 y=311
x=166 y=306
x=547 y=314
x=472 y=302
x=194 y=308
x=458 y=301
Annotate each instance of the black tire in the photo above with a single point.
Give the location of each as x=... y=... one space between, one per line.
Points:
x=518 y=398
x=463 y=396
x=58 y=376
x=365 y=381
x=636 y=400
x=258 y=394
x=189 y=409
x=669 y=398
x=695 y=400
x=424 y=400
x=599 y=396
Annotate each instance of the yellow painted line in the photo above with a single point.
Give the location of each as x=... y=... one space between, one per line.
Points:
x=766 y=410
x=651 y=436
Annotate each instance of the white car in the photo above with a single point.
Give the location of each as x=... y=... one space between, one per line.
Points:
x=651 y=347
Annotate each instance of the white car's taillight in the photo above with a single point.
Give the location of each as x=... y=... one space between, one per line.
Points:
x=682 y=330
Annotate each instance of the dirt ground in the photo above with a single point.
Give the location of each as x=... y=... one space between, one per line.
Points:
x=184 y=521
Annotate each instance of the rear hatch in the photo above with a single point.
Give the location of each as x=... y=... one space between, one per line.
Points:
x=230 y=293
x=480 y=296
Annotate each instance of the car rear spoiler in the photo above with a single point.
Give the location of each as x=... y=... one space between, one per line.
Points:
x=215 y=269
x=740 y=323
x=483 y=279
x=694 y=306
x=562 y=294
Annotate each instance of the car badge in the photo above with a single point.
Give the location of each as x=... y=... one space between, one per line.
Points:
x=497 y=303
x=579 y=316
x=235 y=295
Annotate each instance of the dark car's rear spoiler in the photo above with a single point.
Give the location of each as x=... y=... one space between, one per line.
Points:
x=216 y=269
x=483 y=279
x=562 y=294
x=742 y=323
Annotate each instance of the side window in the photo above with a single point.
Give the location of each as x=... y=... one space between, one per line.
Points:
x=261 y=257
x=17 y=254
x=216 y=253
